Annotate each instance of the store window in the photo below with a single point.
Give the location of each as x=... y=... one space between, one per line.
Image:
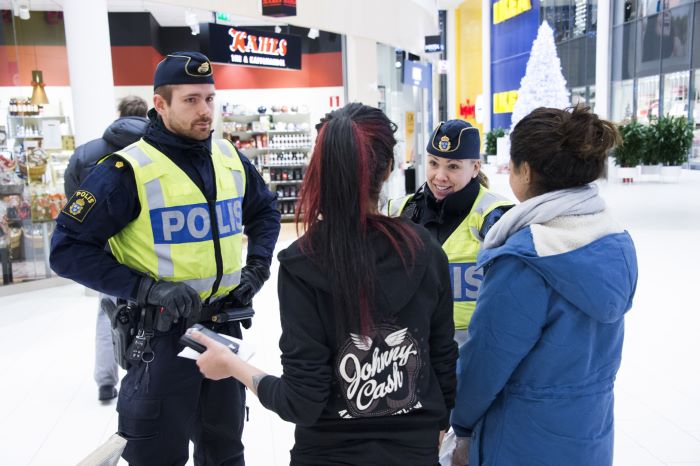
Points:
x=624 y=11
x=649 y=32
x=676 y=95
x=578 y=96
x=623 y=52
x=622 y=100
x=35 y=140
x=647 y=98
x=675 y=39
x=696 y=36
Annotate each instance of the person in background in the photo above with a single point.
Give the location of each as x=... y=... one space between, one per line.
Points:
x=367 y=344
x=127 y=129
x=536 y=373
x=174 y=207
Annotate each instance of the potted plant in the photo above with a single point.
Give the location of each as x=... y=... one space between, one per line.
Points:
x=672 y=137
x=650 y=162
x=628 y=155
x=490 y=146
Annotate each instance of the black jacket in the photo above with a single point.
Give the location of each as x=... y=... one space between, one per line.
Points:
x=118 y=135
x=410 y=354
x=442 y=218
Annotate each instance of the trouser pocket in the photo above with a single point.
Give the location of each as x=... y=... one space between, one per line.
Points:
x=138 y=419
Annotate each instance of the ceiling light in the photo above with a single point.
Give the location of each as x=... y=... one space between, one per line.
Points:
x=192 y=22
x=24 y=12
x=313 y=33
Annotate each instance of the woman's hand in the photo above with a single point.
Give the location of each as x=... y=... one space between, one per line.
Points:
x=460 y=456
x=217 y=362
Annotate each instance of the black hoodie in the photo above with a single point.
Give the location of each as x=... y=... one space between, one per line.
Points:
x=406 y=383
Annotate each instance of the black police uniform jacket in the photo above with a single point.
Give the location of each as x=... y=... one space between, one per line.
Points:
x=122 y=132
x=379 y=398
x=77 y=245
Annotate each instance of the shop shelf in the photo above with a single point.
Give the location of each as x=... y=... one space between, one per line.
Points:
x=286 y=182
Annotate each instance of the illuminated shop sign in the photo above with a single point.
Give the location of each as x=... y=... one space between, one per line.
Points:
x=252 y=47
x=503 y=102
x=507 y=9
x=279 y=7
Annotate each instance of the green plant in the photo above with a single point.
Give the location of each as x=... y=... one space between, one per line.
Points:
x=670 y=139
x=634 y=144
x=491 y=138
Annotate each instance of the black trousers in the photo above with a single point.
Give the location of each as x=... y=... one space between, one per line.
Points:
x=166 y=403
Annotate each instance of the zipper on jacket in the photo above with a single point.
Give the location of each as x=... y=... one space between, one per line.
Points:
x=217 y=245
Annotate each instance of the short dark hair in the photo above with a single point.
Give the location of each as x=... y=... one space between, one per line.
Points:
x=132 y=105
x=165 y=91
x=564 y=148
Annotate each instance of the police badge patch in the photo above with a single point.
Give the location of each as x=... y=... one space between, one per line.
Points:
x=79 y=205
x=444 y=144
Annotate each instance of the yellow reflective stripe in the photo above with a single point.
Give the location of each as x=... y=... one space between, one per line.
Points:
x=166 y=268
x=225 y=149
x=395 y=206
x=202 y=285
x=154 y=194
x=238 y=181
x=138 y=154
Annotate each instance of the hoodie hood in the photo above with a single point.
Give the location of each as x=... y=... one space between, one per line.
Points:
x=582 y=258
x=125 y=131
x=398 y=284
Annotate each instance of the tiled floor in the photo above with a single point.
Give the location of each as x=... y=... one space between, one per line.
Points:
x=49 y=414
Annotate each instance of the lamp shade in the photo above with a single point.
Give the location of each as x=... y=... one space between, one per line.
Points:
x=38 y=93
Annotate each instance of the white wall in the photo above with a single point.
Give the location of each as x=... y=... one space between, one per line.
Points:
x=401 y=23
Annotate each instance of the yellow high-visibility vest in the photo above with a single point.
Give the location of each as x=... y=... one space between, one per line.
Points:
x=172 y=238
x=462 y=247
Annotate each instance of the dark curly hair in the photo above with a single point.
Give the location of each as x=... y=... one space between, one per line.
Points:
x=564 y=148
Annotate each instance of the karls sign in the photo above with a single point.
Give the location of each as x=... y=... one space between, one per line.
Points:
x=279 y=7
x=252 y=47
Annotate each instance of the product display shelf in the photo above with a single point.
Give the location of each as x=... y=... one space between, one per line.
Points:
x=279 y=145
x=29 y=126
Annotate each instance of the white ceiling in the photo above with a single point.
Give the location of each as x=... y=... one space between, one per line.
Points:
x=166 y=15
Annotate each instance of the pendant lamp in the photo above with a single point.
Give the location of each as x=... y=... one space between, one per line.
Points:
x=38 y=94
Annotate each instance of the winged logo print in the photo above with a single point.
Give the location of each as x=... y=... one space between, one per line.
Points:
x=396 y=338
x=362 y=342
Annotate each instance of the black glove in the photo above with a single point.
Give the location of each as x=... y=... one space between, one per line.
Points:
x=176 y=300
x=253 y=276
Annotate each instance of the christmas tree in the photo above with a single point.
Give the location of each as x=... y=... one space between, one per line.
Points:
x=543 y=84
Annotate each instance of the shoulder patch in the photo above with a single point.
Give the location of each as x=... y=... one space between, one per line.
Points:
x=79 y=205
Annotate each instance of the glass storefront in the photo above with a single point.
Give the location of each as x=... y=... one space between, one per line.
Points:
x=35 y=140
x=574 y=23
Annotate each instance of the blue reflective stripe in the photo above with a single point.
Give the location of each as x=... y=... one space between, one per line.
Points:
x=191 y=223
x=466 y=279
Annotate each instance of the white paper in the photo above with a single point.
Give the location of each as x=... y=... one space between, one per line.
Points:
x=51 y=130
x=245 y=350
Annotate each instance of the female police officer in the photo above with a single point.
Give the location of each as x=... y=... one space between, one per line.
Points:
x=174 y=207
x=456 y=206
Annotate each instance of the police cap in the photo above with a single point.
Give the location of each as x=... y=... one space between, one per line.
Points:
x=183 y=68
x=455 y=139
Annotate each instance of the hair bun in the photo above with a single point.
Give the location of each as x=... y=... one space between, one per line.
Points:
x=586 y=136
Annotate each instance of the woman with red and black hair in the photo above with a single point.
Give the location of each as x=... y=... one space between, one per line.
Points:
x=367 y=343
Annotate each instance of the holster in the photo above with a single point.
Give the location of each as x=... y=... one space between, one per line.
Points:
x=122 y=317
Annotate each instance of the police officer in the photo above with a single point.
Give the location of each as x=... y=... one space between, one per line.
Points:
x=173 y=207
x=456 y=206
x=127 y=129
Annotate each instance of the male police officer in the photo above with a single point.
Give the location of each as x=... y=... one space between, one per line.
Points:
x=173 y=206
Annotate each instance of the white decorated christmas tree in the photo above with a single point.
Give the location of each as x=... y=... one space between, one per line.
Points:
x=543 y=84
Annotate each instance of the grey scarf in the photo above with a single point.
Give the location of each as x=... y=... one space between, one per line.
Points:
x=541 y=209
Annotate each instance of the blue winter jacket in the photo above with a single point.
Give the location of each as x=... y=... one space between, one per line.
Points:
x=535 y=377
